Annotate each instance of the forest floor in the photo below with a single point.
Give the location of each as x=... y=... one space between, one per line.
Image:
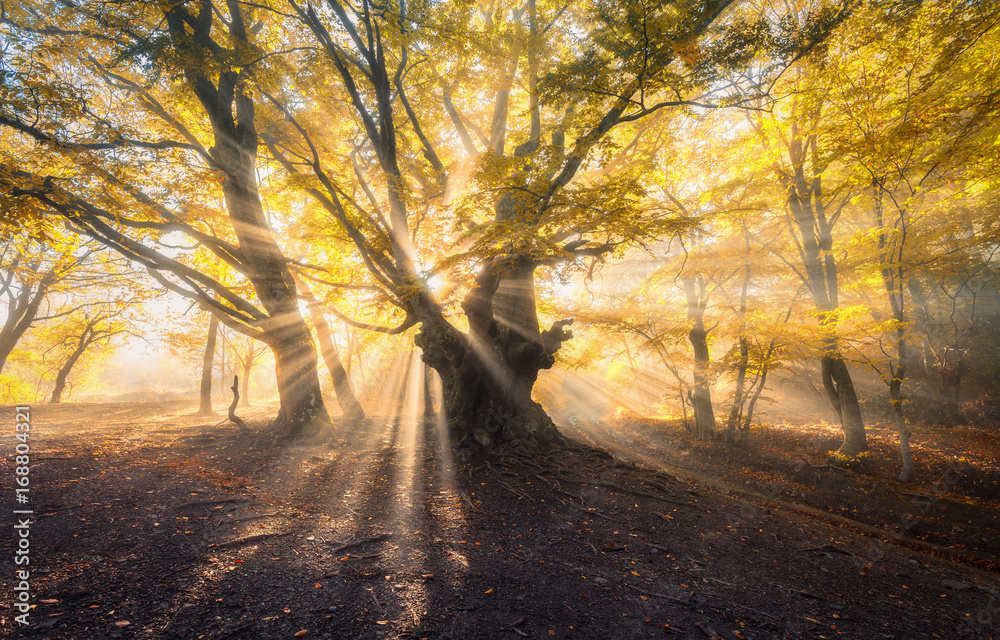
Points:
x=153 y=523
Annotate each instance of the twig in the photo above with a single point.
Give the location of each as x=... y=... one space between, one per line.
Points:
x=249 y=518
x=708 y=631
x=358 y=543
x=514 y=491
x=660 y=486
x=251 y=540
x=211 y=503
x=617 y=487
x=543 y=478
x=377 y=603
x=595 y=512
x=174 y=572
x=654 y=594
x=571 y=495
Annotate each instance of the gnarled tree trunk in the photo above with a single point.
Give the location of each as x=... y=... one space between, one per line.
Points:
x=488 y=374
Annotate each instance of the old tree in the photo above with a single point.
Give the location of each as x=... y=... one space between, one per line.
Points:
x=478 y=146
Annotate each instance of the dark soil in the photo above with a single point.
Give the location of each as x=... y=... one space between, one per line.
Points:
x=188 y=530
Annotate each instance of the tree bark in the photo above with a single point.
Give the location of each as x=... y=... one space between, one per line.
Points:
x=739 y=394
x=247 y=366
x=23 y=308
x=428 y=397
x=302 y=409
x=64 y=370
x=748 y=417
x=7 y=344
x=228 y=102
x=736 y=411
x=806 y=204
x=341 y=383
x=704 y=414
x=844 y=398
x=205 y=406
x=951 y=369
x=896 y=398
x=488 y=374
x=894 y=278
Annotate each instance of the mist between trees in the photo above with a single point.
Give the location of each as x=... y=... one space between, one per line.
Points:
x=714 y=195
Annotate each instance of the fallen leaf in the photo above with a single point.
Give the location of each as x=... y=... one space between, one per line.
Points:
x=635 y=573
x=301 y=633
x=49 y=601
x=319 y=586
x=489 y=591
x=122 y=623
x=382 y=622
x=812 y=619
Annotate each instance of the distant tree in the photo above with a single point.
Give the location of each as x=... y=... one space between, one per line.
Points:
x=83 y=335
x=139 y=179
x=207 y=361
x=32 y=273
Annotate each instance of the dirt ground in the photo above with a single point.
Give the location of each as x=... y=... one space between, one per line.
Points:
x=152 y=523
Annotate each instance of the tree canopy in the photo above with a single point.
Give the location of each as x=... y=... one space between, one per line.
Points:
x=723 y=188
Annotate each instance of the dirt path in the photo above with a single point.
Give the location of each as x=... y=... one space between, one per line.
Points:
x=184 y=530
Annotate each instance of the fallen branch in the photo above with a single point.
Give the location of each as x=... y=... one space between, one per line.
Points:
x=655 y=595
x=660 y=486
x=251 y=540
x=618 y=487
x=251 y=518
x=212 y=503
x=514 y=624
x=708 y=631
x=572 y=495
x=514 y=491
x=358 y=543
x=174 y=572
